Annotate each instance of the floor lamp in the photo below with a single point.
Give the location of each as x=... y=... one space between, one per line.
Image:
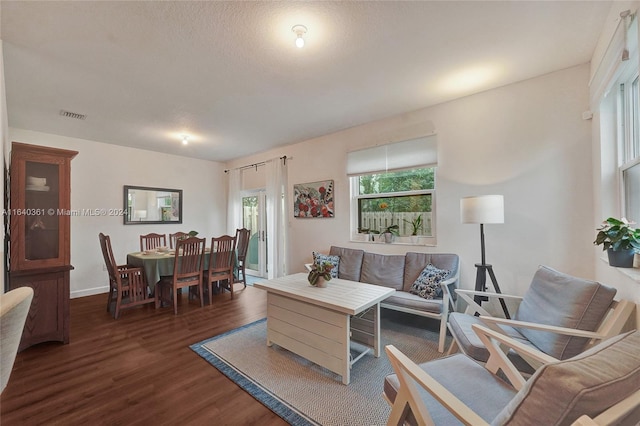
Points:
x=484 y=209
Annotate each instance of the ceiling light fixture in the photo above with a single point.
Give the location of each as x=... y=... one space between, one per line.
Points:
x=299 y=31
x=185 y=139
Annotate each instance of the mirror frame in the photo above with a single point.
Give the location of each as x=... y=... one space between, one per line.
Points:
x=127 y=214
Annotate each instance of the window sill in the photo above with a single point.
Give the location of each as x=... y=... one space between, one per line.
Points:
x=397 y=241
x=633 y=273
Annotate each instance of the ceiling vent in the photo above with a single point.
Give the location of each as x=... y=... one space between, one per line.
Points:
x=72 y=115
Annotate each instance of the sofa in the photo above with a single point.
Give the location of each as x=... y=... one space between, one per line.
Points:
x=400 y=272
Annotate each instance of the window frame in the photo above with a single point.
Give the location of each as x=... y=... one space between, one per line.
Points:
x=355 y=196
x=628 y=127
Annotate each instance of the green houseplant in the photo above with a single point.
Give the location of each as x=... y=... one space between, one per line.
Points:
x=416 y=225
x=319 y=274
x=389 y=232
x=620 y=240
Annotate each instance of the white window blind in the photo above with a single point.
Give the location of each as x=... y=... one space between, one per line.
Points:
x=420 y=152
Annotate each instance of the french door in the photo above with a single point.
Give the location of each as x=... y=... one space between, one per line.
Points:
x=254 y=218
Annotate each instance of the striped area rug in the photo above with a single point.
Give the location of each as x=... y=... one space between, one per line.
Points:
x=303 y=393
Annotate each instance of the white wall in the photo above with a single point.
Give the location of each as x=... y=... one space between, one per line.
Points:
x=527 y=141
x=98 y=174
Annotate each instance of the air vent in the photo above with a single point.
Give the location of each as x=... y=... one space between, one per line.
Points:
x=72 y=115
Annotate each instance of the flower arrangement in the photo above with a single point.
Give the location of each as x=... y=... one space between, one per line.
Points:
x=319 y=270
x=618 y=235
x=188 y=235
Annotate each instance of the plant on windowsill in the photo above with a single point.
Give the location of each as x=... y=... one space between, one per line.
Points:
x=320 y=273
x=389 y=232
x=416 y=226
x=620 y=240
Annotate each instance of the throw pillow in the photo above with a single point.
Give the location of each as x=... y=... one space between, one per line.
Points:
x=427 y=285
x=333 y=260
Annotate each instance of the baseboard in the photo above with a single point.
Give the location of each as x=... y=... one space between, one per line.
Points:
x=89 y=292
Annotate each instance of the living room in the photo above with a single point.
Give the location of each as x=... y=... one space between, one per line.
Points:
x=528 y=140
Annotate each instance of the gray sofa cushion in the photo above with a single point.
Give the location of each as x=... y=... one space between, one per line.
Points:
x=559 y=393
x=562 y=300
x=415 y=263
x=403 y=299
x=457 y=371
x=350 y=262
x=383 y=269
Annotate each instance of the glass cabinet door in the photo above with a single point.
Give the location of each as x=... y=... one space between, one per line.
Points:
x=42 y=221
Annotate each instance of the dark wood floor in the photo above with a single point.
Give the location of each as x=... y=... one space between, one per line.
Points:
x=137 y=370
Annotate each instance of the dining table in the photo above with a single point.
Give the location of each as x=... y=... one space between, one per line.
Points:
x=158 y=264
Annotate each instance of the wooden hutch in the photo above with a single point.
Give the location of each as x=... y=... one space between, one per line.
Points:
x=39 y=255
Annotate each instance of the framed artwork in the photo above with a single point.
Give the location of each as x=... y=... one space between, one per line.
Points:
x=313 y=199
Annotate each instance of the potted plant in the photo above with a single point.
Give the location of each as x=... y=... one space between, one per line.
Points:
x=620 y=240
x=389 y=232
x=319 y=274
x=416 y=225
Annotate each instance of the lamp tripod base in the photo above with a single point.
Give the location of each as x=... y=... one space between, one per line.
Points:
x=481 y=285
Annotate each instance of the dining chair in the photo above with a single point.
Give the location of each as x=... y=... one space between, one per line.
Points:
x=128 y=285
x=173 y=238
x=14 y=308
x=242 y=245
x=595 y=388
x=188 y=266
x=152 y=241
x=221 y=264
x=559 y=315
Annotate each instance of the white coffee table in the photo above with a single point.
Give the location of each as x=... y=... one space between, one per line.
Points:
x=319 y=324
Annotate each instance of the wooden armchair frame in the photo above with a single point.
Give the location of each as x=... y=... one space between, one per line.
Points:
x=411 y=376
x=128 y=285
x=612 y=324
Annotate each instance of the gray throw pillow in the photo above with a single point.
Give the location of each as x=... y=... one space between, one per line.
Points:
x=427 y=285
x=333 y=260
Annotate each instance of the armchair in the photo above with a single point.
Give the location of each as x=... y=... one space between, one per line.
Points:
x=597 y=387
x=559 y=315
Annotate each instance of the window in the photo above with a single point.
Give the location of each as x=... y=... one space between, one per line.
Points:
x=629 y=142
x=393 y=185
x=402 y=198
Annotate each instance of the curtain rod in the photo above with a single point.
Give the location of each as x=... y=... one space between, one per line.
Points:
x=261 y=163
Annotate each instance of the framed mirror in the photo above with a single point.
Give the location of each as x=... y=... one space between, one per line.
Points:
x=144 y=205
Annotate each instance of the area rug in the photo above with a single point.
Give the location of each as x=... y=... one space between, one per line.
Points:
x=303 y=393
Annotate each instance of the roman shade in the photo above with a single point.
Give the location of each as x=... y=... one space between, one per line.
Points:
x=420 y=152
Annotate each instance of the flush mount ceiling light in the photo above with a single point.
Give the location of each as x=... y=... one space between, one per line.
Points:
x=185 y=139
x=299 y=31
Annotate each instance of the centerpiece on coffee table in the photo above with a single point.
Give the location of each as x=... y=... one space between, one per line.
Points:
x=320 y=273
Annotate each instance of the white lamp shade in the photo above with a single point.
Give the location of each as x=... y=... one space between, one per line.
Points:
x=482 y=209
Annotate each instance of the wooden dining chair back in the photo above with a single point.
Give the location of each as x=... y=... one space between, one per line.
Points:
x=188 y=266
x=128 y=285
x=242 y=244
x=173 y=238
x=152 y=241
x=221 y=264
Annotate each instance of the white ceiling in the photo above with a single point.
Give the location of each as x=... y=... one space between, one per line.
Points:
x=229 y=74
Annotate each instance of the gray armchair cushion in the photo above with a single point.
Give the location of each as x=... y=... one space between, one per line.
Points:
x=487 y=397
x=383 y=269
x=559 y=393
x=562 y=300
x=472 y=345
x=350 y=262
